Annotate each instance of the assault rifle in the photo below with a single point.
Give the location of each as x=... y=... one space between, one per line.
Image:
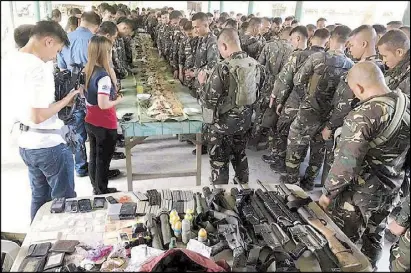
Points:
x=304 y=236
x=346 y=260
x=215 y=199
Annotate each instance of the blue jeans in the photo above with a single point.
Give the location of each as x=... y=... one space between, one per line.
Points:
x=80 y=158
x=51 y=174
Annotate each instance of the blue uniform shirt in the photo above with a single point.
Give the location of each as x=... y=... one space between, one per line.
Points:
x=77 y=51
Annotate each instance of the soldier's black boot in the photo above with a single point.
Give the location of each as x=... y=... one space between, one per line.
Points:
x=287 y=179
x=307 y=184
x=278 y=165
x=269 y=159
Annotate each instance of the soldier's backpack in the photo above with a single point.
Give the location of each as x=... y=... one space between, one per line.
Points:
x=244 y=84
x=325 y=79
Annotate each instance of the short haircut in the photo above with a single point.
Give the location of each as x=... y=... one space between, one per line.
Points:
x=91 y=17
x=210 y=15
x=75 y=11
x=321 y=19
x=330 y=27
x=170 y=8
x=289 y=18
x=102 y=6
x=341 y=33
x=322 y=33
x=121 y=11
x=266 y=19
x=243 y=18
x=254 y=22
x=110 y=9
x=380 y=29
x=164 y=12
x=302 y=30
x=244 y=25
x=72 y=21
x=294 y=21
x=395 y=39
x=406 y=28
x=182 y=22
x=225 y=15
x=200 y=16
x=221 y=20
x=395 y=23
x=361 y=29
x=278 y=20
x=175 y=14
x=128 y=22
x=250 y=16
x=231 y=22
x=239 y=14
x=311 y=27
x=286 y=30
x=50 y=28
x=55 y=13
x=188 y=26
x=229 y=36
x=107 y=28
x=22 y=35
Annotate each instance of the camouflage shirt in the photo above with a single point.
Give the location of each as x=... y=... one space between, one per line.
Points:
x=403 y=218
x=399 y=76
x=270 y=36
x=128 y=50
x=253 y=45
x=190 y=52
x=284 y=84
x=273 y=56
x=206 y=55
x=160 y=38
x=117 y=57
x=215 y=91
x=322 y=64
x=169 y=40
x=371 y=171
x=343 y=101
x=177 y=40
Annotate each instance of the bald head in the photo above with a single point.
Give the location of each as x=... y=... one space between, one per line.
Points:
x=366 y=79
x=228 y=42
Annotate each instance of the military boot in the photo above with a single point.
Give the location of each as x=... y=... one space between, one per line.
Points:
x=278 y=165
x=287 y=179
x=307 y=184
x=269 y=159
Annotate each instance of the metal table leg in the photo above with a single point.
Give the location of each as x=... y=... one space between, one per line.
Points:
x=198 y=159
x=128 y=145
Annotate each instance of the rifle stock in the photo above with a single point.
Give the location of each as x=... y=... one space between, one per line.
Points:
x=347 y=261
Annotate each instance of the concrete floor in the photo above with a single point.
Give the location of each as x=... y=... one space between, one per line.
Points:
x=159 y=153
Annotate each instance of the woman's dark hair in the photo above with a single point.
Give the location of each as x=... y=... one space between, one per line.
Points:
x=75 y=11
x=72 y=23
x=55 y=13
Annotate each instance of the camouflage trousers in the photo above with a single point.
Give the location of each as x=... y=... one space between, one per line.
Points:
x=363 y=215
x=225 y=148
x=304 y=131
x=260 y=134
x=400 y=254
x=279 y=148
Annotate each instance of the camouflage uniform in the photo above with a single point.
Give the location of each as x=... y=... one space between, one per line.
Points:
x=291 y=97
x=177 y=40
x=169 y=40
x=189 y=54
x=399 y=76
x=273 y=56
x=269 y=36
x=364 y=181
x=343 y=102
x=117 y=55
x=151 y=27
x=314 y=109
x=160 y=38
x=156 y=31
x=253 y=45
x=128 y=50
x=400 y=251
x=226 y=137
x=216 y=31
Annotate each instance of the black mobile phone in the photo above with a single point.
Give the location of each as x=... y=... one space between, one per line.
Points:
x=99 y=202
x=84 y=205
x=71 y=206
x=57 y=206
x=111 y=200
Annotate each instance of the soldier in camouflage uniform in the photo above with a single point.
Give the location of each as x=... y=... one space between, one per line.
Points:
x=362 y=47
x=125 y=29
x=205 y=58
x=394 y=48
x=321 y=72
x=151 y=24
x=291 y=97
x=169 y=38
x=227 y=126
x=251 y=41
x=184 y=49
x=273 y=56
x=161 y=32
x=367 y=171
x=275 y=30
x=400 y=251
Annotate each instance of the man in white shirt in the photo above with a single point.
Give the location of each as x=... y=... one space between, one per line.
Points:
x=42 y=148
